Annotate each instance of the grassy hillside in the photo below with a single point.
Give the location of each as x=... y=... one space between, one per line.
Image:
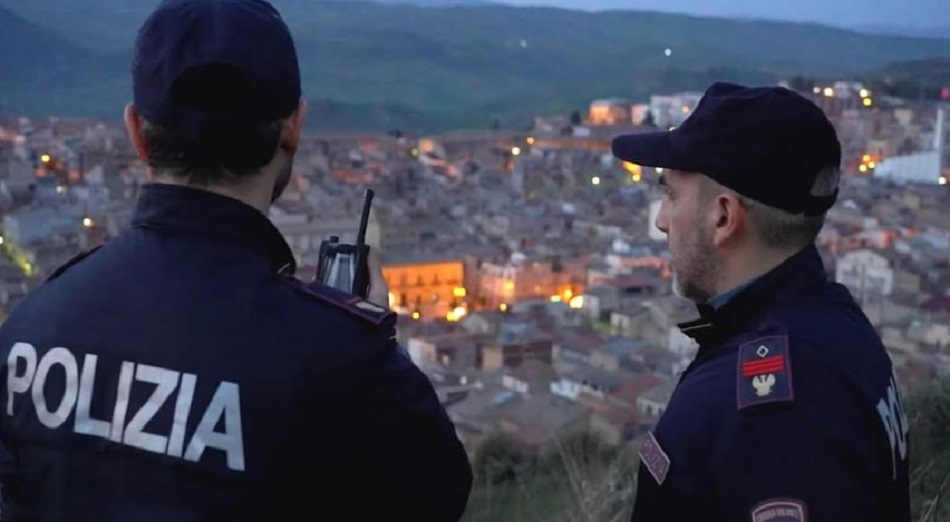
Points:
x=392 y=65
x=583 y=480
x=578 y=479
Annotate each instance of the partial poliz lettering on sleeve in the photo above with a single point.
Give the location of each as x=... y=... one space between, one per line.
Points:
x=891 y=409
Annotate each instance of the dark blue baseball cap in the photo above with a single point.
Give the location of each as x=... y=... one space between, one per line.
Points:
x=766 y=143
x=215 y=66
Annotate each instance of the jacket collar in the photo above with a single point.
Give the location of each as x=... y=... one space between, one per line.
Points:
x=173 y=207
x=800 y=274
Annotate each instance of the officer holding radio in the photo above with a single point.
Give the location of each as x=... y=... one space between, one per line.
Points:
x=180 y=372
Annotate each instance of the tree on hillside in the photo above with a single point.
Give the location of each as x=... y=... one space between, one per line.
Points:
x=802 y=83
x=500 y=460
x=576 y=118
x=649 y=120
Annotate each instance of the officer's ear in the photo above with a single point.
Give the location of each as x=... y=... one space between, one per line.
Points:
x=133 y=126
x=293 y=128
x=730 y=216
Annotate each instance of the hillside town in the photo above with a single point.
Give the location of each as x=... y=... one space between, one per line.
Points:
x=531 y=283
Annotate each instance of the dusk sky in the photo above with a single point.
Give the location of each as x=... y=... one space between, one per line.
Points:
x=851 y=13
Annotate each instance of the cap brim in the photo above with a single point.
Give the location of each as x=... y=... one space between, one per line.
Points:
x=649 y=149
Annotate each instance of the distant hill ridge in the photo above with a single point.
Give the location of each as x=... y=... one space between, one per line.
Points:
x=371 y=66
x=915 y=32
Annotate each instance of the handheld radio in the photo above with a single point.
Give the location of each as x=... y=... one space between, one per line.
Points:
x=345 y=266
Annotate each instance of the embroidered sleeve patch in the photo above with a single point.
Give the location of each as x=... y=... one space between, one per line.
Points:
x=764 y=374
x=780 y=510
x=655 y=459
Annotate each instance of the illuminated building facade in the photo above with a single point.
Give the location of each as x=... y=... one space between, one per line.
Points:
x=426 y=288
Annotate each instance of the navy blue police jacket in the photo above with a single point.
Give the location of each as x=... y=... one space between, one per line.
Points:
x=179 y=373
x=789 y=412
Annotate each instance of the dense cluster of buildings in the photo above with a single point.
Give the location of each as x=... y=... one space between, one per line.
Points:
x=532 y=286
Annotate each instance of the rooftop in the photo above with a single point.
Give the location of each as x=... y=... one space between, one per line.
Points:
x=545 y=411
x=481 y=404
x=620 y=416
x=660 y=393
x=622 y=347
x=631 y=390
x=416 y=257
x=597 y=378
x=533 y=371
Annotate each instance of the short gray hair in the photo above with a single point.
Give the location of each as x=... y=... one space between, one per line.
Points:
x=778 y=228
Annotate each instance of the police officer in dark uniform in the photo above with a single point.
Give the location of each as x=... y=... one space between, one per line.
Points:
x=180 y=372
x=790 y=410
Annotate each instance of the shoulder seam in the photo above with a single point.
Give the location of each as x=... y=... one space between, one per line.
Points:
x=78 y=258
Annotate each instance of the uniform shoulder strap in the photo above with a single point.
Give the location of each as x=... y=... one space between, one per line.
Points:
x=72 y=262
x=354 y=305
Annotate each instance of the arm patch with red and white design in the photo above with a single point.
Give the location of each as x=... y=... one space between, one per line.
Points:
x=764 y=373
